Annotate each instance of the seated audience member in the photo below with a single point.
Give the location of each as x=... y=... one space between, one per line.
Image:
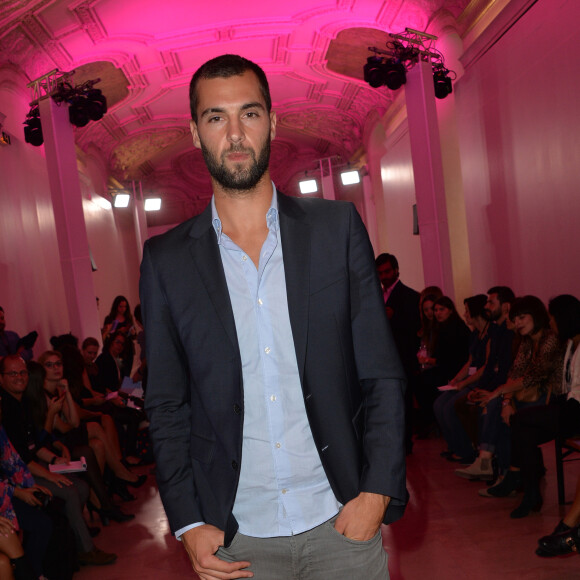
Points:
x=450 y=352
x=20 y=429
x=426 y=333
x=104 y=443
x=535 y=377
x=108 y=363
x=54 y=419
x=534 y=426
x=466 y=379
x=90 y=351
x=141 y=372
x=11 y=343
x=19 y=510
x=495 y=372
x=119 y=320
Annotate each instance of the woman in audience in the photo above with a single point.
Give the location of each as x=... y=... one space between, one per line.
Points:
x=56 y=387
x=121 y=320
x=535 y=377
x=450 y=352
x=19 y=510
x=466 y=378
x=49 y=416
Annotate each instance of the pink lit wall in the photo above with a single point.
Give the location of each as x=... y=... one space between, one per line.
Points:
x=32 y=292
x=518 y=121
x=399 y=198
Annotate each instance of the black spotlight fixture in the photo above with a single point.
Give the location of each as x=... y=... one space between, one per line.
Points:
x=442 y=83
x=373 y=72
x=78 y=112
x=33 y=128
x=395 y=74
x=96 y=104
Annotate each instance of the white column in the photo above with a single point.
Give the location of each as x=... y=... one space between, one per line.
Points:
x=73 y=245
x=428 y=176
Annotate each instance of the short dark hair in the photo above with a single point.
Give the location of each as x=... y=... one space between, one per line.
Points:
x=504 y=294
x=533 y=306
x=225 y=66
x=384 y=258
x=565 y=309
x=476 y=305
x=90 y=341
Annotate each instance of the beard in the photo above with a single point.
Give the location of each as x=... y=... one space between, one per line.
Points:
x=238 y=178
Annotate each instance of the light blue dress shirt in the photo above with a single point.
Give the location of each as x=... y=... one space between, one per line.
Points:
x=283 y=489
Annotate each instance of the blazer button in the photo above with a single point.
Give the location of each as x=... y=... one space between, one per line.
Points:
x=235 y=465
x=237 y=409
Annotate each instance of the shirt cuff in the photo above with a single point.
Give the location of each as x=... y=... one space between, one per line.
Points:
x=182 y=531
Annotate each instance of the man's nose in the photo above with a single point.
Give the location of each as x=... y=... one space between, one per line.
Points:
x=235 y=131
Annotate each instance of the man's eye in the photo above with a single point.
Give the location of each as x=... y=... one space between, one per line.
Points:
x=213 y=119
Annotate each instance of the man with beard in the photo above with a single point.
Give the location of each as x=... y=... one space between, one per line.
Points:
x=498 y=363
x=275 y=391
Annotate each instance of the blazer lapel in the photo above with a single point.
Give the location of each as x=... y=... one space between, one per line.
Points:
x=207 y=259
x=295 y=234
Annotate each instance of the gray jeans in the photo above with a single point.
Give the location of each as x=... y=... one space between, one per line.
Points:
x=319 y=554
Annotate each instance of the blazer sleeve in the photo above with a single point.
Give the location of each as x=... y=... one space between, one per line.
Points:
x=167 y=401
x=380 y=375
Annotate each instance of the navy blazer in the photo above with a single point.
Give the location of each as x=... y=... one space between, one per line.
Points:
x=350 y=373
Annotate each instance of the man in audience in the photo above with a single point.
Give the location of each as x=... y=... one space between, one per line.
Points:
x=10 y=342
x=499 y=361
x=19 y=427
x=402 y=305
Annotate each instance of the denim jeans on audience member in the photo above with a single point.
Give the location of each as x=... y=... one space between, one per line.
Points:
x=495 y=434
x=450 y=425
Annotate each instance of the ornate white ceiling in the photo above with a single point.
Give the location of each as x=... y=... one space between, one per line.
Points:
x=145 y=52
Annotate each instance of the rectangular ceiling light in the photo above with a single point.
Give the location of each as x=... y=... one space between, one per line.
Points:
x=152 y=204
x=350 y=177
x=121 y=200
x=308 y=186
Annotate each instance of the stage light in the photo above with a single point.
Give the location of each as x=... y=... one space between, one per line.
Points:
x=350 y=177
x=96 y=104
x=442 y=83
x=78 y=112
x=395 y=74
x=390 y=72
x=152 y=204
x=373 y=72
x=121 y=199
x=308 y=186
x=33 y=128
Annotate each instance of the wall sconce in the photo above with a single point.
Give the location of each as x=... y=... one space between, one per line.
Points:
x=350 y=177
x=120 y=198
x=152 y=204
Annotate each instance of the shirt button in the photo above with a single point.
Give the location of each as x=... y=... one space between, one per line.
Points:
x=235 y=465
x=260 y=301
x=272 y=398
x=267 y=350
x=284 y=490
x=278 y=445
x=244 y=258
x=237 y=409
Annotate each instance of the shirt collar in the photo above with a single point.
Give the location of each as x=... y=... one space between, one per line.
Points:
x=272 y=217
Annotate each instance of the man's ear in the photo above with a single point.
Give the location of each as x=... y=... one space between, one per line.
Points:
x=272 y=124
x=194 y=134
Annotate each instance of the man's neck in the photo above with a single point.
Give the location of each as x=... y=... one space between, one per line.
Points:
x=244 y=212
